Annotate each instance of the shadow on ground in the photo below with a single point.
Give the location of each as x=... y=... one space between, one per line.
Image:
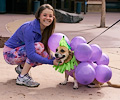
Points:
x=2 y=41
x=60 y=92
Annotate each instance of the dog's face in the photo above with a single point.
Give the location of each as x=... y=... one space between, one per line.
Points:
x=62 y=53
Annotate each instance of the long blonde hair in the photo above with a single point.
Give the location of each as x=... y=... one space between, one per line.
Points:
x=48 y=31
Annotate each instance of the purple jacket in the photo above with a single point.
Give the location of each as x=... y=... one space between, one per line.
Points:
x=27 y=34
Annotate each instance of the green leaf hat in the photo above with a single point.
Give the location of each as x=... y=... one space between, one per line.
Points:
x=64 y=43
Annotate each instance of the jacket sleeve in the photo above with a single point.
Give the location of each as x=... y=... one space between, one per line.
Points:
x=30 y=48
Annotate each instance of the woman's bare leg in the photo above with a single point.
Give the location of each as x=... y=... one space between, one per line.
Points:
x=26 y=68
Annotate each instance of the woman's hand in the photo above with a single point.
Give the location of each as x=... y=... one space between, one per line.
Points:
x=57 y=62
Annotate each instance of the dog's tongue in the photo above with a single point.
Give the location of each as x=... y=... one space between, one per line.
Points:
x=57 y=58
x=60 y=57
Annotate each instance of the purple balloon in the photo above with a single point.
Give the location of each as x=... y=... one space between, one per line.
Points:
x=96 y=52
x=83 y=52
x=103 y=73
x=84 y=73
x=76 y=41
x=53 y=41
x=103 y=60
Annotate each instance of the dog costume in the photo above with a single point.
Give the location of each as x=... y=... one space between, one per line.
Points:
x=69 y=65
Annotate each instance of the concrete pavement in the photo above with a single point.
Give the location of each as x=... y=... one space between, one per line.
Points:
x=48 y=77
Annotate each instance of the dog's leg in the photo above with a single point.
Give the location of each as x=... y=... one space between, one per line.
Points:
x=66 y=79
x=95 y=84
x=75 y=82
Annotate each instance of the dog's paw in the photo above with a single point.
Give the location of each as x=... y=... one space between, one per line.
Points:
x=63 y=83
x=75 y=87
x=93 y=86
x=90 y=86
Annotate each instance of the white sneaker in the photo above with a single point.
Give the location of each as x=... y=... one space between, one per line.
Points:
x=18 y=69
x=26 y=81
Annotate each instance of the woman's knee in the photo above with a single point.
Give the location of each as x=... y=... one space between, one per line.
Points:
x=39 y=47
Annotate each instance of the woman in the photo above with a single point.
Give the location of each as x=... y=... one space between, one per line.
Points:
x=27 y=47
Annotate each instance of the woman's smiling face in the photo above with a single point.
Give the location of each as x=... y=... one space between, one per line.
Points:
x=46 y=18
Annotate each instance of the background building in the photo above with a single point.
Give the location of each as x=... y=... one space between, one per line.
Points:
x=28 y=6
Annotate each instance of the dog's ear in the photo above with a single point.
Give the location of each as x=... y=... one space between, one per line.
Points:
x=70 y=52
x=69 y=57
